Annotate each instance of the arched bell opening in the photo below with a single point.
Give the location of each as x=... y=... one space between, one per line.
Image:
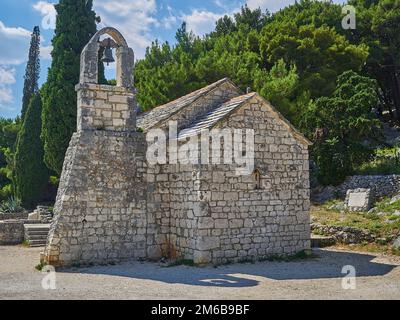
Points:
x=100 y=48
x=107 y=61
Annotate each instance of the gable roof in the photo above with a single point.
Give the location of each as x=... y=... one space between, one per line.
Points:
x=159 y=114
x=209 y=120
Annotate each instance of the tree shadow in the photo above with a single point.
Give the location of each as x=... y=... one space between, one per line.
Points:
x=327 y=264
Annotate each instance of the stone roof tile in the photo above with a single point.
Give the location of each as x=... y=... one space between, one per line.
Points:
x=208 y=120
x=151 y=118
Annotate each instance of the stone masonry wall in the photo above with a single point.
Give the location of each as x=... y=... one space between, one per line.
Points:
x=216 y=216
x=101 y=209
x=381 y=186
x=113 y=206
x=100 y=213
x=103 y=107
x=236 y=222
x=11 y=232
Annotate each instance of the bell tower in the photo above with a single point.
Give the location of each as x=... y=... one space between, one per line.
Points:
x=105 y=107
x=101 y=215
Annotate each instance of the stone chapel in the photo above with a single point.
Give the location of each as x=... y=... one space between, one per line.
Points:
x=113 y=205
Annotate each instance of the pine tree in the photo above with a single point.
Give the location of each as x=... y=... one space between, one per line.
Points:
x=31 y=174
x=32 y=71
x=75 y=26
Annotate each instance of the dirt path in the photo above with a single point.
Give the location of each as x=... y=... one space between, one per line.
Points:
x=378 y=277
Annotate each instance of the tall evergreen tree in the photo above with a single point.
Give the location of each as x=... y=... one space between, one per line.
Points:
x=31 y=174
x=76 y=24
x=32 y=71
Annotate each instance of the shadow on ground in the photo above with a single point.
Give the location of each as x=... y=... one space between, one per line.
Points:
x=327 y=264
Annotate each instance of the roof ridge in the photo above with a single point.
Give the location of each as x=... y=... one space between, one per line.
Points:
x=209 y=87
x=162 y=112
x=219 y=113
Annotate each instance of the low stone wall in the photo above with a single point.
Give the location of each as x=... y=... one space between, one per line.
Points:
x=344 y=235
x=11 y=232
x=16 y=216
x=381 y=186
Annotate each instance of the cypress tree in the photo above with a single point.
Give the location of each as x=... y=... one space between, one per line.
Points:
x=32 y=71
x=31 y=174
x=75 y=25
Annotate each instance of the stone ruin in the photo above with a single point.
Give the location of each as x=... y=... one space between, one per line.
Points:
x=112 y=205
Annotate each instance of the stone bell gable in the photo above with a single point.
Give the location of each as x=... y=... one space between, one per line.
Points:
x=113 y=205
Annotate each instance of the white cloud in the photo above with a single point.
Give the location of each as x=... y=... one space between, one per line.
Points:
x=271 y=5
x=7 y=78
x=201 y=21
x=133 y=18
x=7 y=75
x=49 y=13
x=45 y=52
x=14 y=44
x=169 y=21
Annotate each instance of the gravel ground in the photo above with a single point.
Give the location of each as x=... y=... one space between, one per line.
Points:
x=378 y=277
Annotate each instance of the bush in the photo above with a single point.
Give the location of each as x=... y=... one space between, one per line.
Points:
x=384 y=162
x=343 y=127
x=12 y=205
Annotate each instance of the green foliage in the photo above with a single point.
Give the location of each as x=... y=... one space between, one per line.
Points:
x=31 y=174
x=12 y=205
x=8 y=136
x=279 y=86
x=169 y=72
x=385 y=206
x=32 y=72
x=378 y=26
x=385 y=161
x=252 y=49
x=340 y=126
x=319 y=53
x=76 y=24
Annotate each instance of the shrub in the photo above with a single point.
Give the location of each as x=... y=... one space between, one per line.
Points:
x=12 y=205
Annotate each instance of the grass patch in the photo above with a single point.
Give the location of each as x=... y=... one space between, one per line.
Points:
x=40 y=266
x=372 y=222
x=183 y=262
x=385 y=206
x=386 y=161
x=385 y=228
x=370 y=248
x=25 y=244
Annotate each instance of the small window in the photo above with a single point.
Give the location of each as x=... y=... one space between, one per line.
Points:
x=257 y=179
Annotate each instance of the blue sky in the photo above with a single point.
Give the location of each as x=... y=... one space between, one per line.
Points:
x=141 y=21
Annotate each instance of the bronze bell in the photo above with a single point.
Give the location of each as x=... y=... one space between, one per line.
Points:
x=107 y=56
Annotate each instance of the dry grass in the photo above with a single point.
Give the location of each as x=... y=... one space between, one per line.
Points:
x=386 y=227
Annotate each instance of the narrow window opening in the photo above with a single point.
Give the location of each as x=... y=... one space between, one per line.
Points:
x=257 y=179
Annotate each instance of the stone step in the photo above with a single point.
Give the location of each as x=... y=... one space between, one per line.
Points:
x=37 y=243
x=322 y=241
x=34 y=227
x=38 y=237
x=36 y=234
